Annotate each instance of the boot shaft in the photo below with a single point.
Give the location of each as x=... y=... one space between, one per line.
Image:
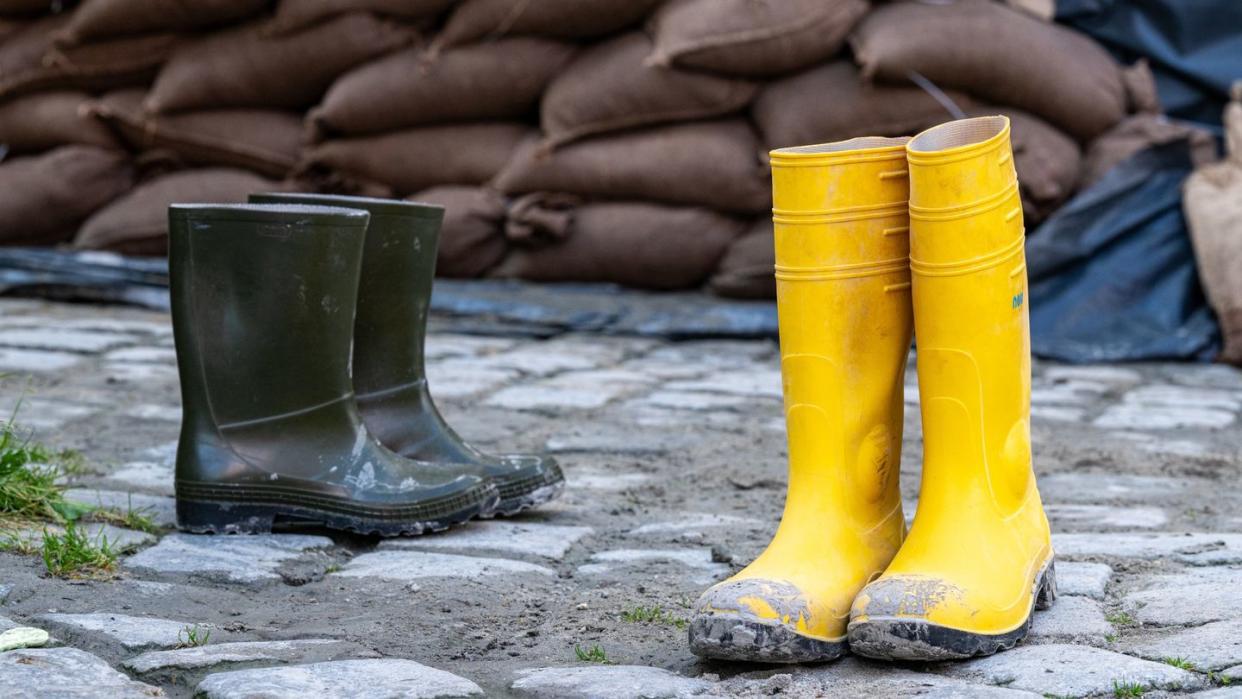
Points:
x=394 y=296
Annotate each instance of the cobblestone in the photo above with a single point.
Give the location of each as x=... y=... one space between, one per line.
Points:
x=182 y=662
x=611 y=682
x=389 y=564
x=65 y=672
x=506 y=537
x=363 y=679
x=1214 y=646
x=1086 y=579
x=244 y=559
x=132 y=633
x=1074 y=671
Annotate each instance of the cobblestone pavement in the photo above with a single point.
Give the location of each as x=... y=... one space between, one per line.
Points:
x=675 y=457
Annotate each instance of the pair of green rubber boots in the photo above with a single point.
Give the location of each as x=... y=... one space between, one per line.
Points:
x=300 y=323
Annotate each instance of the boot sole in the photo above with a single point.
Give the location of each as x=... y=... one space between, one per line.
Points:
x=256 y=513
x=526 y=494
x=733 y=638
x=891 y=638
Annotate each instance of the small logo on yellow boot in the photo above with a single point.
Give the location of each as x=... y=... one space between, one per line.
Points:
x=1017 y=299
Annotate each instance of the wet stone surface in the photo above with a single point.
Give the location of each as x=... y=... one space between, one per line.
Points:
x=675 y=455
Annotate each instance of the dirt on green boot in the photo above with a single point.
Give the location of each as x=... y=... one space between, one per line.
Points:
x=263 y=302
x=394 y=295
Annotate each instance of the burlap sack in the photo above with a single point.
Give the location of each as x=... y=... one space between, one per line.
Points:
x=472 y=239
x=832 y=103
x=634 y=244
x=43 y=198
x=499 y=80
x=103 y=19
x=415 y=159
x=1136 y=133
x=243 y=68
x=561 y=19
x=25 y=8
x=1213 y=204
x=296 y=15
x=609 y=88
x=752 y=37
x=30 y=63
x=748 y=268
x=268 y=142
x=137 y=223
x=45 y=120
x=998 y=54
x=715 y=164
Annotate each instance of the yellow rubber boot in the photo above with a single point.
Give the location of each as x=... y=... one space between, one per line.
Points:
x=843 y=298
x=978 y=558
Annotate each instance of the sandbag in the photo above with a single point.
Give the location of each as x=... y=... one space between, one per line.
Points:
x=29 y=62
x=499 y=80
x=634 y=244
x=1213 y=203
x=609 y=88
x=43 y=198
x=137 y=223
x=472 y=238
x=414 y=159
x=1138 y=132
x=100 y=19
x=266 y=141
x=747 y=270
x=1046 y=160
x=997 y=54
x=832 y=103
x=296 y=15
x=24 y=8
x=243 y=68
x=714 y=164
x=45 y=120
x=756 y=38
x=561 y=19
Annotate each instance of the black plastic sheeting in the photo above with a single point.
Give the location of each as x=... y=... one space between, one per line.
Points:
x=1194 y=46
x=479 y=306
x=1113 y=275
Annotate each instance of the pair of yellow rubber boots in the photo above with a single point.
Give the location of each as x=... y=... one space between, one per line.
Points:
x=873 y=234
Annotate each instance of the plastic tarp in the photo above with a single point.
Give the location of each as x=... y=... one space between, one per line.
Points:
x=1113 y=275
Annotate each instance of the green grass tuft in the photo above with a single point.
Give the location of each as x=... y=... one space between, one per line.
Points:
x=1121 y=619
x=1128 y=689
x=594 y=654
x=73 y=554
x=1180 y=663
x=193 y=636
x=656 y=615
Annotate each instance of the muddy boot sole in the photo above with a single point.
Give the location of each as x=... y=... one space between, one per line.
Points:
x=721 y=637
x=889 y=638
x=521 y=495
x=256 y=513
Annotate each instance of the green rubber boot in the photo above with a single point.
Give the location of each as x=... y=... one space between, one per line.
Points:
x=398 y=269
x=263 y=302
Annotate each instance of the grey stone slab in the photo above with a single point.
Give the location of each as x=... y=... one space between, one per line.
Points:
x=1102 y=487
x=1194 y=548
x=44 y=413
x=1132 y=416
x=7 y=623
x=617 y=439
x=245 y=559
x=1213 y=646
x=151 y=411
x=464 y=379
x=698 y=559
x=442 y=345
x=549 y=396
x=1194 y=597
x=1129 y=517
x=414 y=565
x=606 y=682
x=849 y=678
x=612 y=482
x=165 y=664
x=38 y=673
x=1082 y=578
x=143 y=355
x=140 y=373
x=359 y=679
x=761 y=383
x=1223 y=692
x=60 y=339
x=1113 y=375
x=159 y=509
x=1074 y=619
x=21 y=361
x=133 y=633
x=1072 y=670
x=697 y=522
x=696 y=400
x=508 y=537
x=148 y=475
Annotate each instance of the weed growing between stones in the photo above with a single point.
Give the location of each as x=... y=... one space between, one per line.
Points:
x=193 y=636
x=1127 y=689
x=594 y=654
x=1180 y=663
x=28 y=474
x=73 y=554
x=656 y=615
x=1121 y=619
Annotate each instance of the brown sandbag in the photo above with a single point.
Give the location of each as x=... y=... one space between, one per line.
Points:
x=137 y=223
x=24 y=8
x=495 y=81
x=757 y=38
x=715 y=164
x=43 y=198
x=100 y=19
x=609 y=88
x=266 y=141
x=748 y=268
x=243 y=68
x=45 y=120
x=997 y=54
x=1046 y=160
x=30 y=63
x=832 y=103
x=414 y=159
x=559 y=19
x=1213 y=204
x=472 y=239
x=630 y=243
x=1136 y=133
x=296 y=15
